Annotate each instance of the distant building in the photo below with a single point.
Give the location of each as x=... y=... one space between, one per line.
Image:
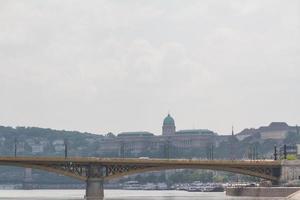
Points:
x=58 y=145
x=143 y=143
x=37 y=148
x=276 y=131
x=2 y=140
x=181 y=143
x=135 y=134
x=20 y=147
x=195 y=132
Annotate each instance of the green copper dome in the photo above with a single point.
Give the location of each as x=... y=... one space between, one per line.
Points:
x=169 y=120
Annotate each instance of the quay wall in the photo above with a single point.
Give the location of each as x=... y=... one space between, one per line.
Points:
x=261 y=191
x=294 y=196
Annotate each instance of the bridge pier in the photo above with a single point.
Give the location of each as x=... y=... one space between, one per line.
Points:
x=94 y=189
x=290 y=171
x=94 y=183
x=27 y=182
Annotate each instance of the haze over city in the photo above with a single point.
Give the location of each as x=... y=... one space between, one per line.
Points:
x=113 y=66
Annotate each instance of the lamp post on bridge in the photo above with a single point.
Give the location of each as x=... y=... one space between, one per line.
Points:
x=66 y=148
x=275 y=152
x=210 y=152
x=15 y=146
x=284 y=152
x=122 y=149
x=252 y=152
x=167 y=145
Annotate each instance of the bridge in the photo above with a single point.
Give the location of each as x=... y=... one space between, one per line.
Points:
x=95 y=170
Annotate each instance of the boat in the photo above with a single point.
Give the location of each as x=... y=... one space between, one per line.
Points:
x=132 y=185
x=201 y=187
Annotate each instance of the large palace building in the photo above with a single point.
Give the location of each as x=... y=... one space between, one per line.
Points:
x=184 y=143
x=170 y=143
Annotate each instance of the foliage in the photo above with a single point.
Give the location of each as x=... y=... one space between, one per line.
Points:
x=291 y=157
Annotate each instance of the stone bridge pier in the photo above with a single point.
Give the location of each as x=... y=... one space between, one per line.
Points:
x=290 y=170
x=94 y=183
x=27 y=182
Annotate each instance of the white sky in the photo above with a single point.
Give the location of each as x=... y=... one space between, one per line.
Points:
x=121 y=65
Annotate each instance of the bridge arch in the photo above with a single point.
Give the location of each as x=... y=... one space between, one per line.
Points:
x=60 y=171
x=232 y=170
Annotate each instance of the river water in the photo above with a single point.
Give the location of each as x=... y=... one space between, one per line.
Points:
x=118 y=195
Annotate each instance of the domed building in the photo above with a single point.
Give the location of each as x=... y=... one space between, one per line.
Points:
x=182 y=143
x=168 y=127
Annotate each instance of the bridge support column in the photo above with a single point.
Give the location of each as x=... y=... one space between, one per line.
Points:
x=27 y=182
x=94 y=189
x=94 y=183
x=290 y=171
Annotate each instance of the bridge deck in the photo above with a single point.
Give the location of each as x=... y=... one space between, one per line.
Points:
x=136 y=161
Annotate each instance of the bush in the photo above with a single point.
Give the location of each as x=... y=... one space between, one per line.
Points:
x=291 y=157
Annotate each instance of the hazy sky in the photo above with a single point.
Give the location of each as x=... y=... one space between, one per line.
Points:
x=121 y=65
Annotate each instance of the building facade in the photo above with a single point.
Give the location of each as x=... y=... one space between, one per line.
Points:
x=170 y=143
x=275 y=131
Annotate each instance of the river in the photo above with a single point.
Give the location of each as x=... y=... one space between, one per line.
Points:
x=117 y=195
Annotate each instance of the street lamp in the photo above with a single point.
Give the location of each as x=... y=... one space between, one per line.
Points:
x=66 y=148
x=15 y=145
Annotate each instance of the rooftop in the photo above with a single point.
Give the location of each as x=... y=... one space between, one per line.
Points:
x=135 y=134
x=274 y=126
x=169 y=120
x=196 y=132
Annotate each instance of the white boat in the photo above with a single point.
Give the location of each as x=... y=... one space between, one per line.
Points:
x=132 y=185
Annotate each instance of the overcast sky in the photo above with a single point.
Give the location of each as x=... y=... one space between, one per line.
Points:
x=122 y=65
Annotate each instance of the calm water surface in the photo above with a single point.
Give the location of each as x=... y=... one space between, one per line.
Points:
x=117 y=195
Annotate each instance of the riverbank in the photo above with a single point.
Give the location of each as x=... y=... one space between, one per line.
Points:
x=111 y=195
x=261 y=191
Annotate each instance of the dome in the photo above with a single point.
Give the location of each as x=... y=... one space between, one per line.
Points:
x=169 y=120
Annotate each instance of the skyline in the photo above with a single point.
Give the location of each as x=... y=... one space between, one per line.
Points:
x=161 y=131
x=111 y=66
